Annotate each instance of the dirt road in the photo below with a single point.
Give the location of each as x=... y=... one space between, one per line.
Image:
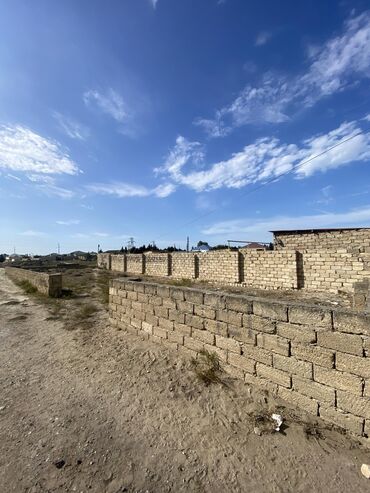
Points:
x=93 y=409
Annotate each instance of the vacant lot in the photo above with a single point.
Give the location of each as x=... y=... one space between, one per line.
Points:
x=87 y=408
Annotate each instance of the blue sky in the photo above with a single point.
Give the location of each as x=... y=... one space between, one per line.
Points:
x=167 y=118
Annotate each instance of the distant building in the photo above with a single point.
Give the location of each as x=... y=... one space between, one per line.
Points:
x=201 y=248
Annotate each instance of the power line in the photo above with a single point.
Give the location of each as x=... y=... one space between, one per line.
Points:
x=272 y=179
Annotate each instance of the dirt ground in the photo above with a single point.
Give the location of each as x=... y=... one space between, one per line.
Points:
x=87 y=408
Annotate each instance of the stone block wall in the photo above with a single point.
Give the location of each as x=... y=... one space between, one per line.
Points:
x=271 y=269
x=314 y=358
x=157 y=264
x=317 y=240
x=49 y=284
x=220 y=266
x=118 y=263
x=135 y=263
x=184 y=265
x=332 y=270
x=104 y=261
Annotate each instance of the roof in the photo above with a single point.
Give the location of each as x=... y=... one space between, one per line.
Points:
x=323 y=230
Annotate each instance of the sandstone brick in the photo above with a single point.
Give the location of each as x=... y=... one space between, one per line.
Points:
x=136 y=306
x=156 y=300
x=262 y=383
x=353 y=364
x=243 y=334
x=150 y=288
x=273 y=343
x=194 y=296
x=216 y=327
x=230 y=317
x=169 y=303
x=204 y=336
x=259 y=324
x=147 y=327
x=177 y=294
x=307 y=315
x=183 y=329
x=315 y=354
x=343 y=420
x=229 y=344
x=321 y=393
x=359 y=406
x=242 y=363
x=143 y=298
x=151 y=319
x=161 y=311
x=338 y=379
x=163 y=291
x=175 y=337
x=257 y=354
x=277 y=376
x=345 y=343
x=292 y=365
x=194 y=321
x=176 y=316
x=221 y=353
x=157 y=331
x=136 y=323
x=301 y=401
x=367 y=388
x=116 y=300
x=214 y=300
x=132 y=295
x=238 y=304
x=297 y=333
x=205 y=312
x=354 y=323
x=166 y=324
x=123 y=294
x=193 y=344
x=138 y=287
x=267 y=309
x=234 y=372
x=185 y=307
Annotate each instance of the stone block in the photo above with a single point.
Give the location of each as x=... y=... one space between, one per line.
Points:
x=175 y=337
x=176 y=316
x=238 y=304
x=205 y=312
x=343 y=420
x=277 y=376
x=242 y=363
x=185 y=307
x=299 y=400
x=243 y=334
x=268 y=309
x=293 y=365
x=230 y=317
x=214 y=300
x=219 y=328
x=353 y=323
x=257 y=354
x=273 y=343
x=166 y=324
x=229 y=344
x=346 y=343
x=161 y=311
x=338 y=379
x=321 y=393
x=359 y=406
x=157 y=331
x=204 y=336
x=259 y=324
x=315 y=354
x=308 y=315
x=297 y=333
x=183 y=329
x=353 y=364
x=177 y=294
x=194 y=296
x=194 y=321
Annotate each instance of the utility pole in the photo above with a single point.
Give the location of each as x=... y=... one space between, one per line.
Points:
x=58 y=248
x=131 y=243
x=187 y=244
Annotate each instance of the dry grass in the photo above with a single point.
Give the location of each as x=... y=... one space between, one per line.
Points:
x=207 y=367
x=26 y=286
x=86 y=311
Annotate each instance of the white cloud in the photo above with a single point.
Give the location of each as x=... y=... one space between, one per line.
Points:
x=266 y=158
x=32 y=233
x=262 y=38
x=71 y=127
x=100 y=234
x=69 y=222
x=110 y=103
x=331 y=68
x=122 y=190
x=54 y=191
x=153 y=3
x=21 y=149
x=252 y=229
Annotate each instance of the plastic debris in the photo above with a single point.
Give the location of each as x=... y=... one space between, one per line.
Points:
x=278 y=420
x=365 y=469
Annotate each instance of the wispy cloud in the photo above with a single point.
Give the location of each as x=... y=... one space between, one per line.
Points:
x=266 y=158
x=251 y=229
x=54 y=191
x=331 y=68
x=71 y=127
x=123 y=190
x=21 y=149
x=109 y=102
x=153 y=3
x=69 y=222
x=262 y=38
x=31 y=232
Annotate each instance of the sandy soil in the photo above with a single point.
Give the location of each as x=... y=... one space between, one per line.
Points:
x=87 y=408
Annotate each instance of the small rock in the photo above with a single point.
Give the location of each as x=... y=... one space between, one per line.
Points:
x=59 y=464
x=2 y=408
x=257 y=431
x=365 y=469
